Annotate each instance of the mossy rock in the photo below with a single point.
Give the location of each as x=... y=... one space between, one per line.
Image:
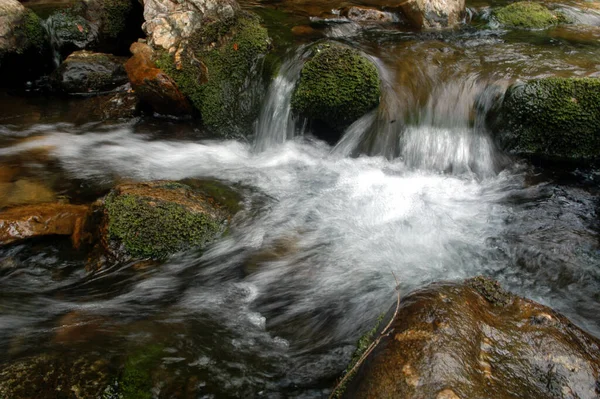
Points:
x=526 y=15
x=219 y=72
x=337 y=86
x=553 y=117
x=31 y=33
x=135 y=381
x=155 y=219
x=88 y=72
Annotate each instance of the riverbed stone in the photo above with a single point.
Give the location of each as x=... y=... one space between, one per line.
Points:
x=433 y=14
x=526 y=15
x=475 y=340
x=552 y=117
x=89 y=72
x=155 y=219
x=337 y=86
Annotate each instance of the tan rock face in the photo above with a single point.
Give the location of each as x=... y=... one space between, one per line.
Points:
x=169 y=23
x=433 y=14
x=42 y=220
x=474 y=340
x=11 y=14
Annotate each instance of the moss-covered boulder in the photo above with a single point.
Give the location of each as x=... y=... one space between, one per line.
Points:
x=337 y=86
x=155 y=219
x=89 y=72
x=475 y=340
x=526 y=15
x=552 y=117
x=218 y=72
x=23 y=43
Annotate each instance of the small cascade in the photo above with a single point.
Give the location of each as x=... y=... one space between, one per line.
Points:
x=275 y=123
x=55 y=42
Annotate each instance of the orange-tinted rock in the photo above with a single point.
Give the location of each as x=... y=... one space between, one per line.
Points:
x=152 y=85
x=42 y=220
x=475 y=340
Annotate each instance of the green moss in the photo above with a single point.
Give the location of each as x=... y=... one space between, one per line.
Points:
x=226 y=197
x=218 y=79
x=152 y=228
x=136 y=379
x=526 y=15
x=557 y=117
x=114 y=16
x=31 y=33
x=361 y=347
x=337 y=86
x=490 y=290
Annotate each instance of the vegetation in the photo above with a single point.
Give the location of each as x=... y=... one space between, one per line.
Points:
x=114 y=17
x=526 y=15
x=337 y=86
x=31 y=33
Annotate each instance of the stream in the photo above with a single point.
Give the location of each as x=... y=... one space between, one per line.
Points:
x=414 y=192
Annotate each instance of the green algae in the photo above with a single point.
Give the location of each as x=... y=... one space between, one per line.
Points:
x=217 y=77
x=337 y=86
x=526 y=15
x=555 y=117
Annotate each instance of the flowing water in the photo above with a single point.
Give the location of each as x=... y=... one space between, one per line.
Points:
x=413 y=192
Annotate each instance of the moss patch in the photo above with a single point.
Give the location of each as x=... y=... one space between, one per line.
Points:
x=31 y=33
x=218 y=76
x=136 y=378
x=556 y=117
x=337 y=86
x=114 y=17
x=148 y=227
x=490 y=290
x=526 y=15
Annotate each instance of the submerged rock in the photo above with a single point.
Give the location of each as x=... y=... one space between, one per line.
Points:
x=156 y=219
x=336 y=87
x=433 y=14
x=475 y=340
x=88 y=72
x=153 y=86
x=34 y=221
x=552 y=117
x=526 y=15
x=23 y=43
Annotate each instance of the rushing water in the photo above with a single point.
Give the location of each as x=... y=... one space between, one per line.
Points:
x=409 y=195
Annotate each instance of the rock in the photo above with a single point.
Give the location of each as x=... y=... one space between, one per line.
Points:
x=366 y=14
x=474 y=340
x=217 y=69
x=153 y=86
x=24 y=192
x=336 y=87
x=552 y=117
x=88 y=72
x=156 y=219
x=34 y=221
x=23 y=43
x=433 y=14
x=526 y=15
x=56 y=375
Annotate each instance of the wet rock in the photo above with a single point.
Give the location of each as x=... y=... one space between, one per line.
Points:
x=433 y=14
x=153 y=86
x=336 y=87
x=449 y=341
x=526 y=15
x=552 y=117
x=23 y=43
x=366 y=14
x=24 y=192
x=217 y=68
x=88 y=72
x=155 y=219
x=55 y=376
x=43 y=220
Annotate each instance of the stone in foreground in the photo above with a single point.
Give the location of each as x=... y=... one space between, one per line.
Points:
x=475 y=340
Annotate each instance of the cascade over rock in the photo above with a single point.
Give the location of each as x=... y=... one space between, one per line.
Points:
x=475 y=340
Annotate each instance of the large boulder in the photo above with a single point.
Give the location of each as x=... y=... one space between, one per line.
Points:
x=475 y=340
x=23 y=43
x=433 y=14
x=88 y=72
x=552 y=117
x=152 y=85
x=526 y=15
x=155 y=219
x=337 y=86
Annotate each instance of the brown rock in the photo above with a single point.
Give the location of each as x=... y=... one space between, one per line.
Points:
x=42 y=220
x=366 y=14
x=153 y=86
x=433 y=14
x=475 y=340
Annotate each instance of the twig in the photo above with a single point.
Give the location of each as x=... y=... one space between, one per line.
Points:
x=373 y=345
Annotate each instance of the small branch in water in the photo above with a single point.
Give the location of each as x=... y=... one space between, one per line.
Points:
x=373 y=345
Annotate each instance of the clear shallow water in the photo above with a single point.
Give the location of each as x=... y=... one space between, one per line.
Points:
x=276 y=306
